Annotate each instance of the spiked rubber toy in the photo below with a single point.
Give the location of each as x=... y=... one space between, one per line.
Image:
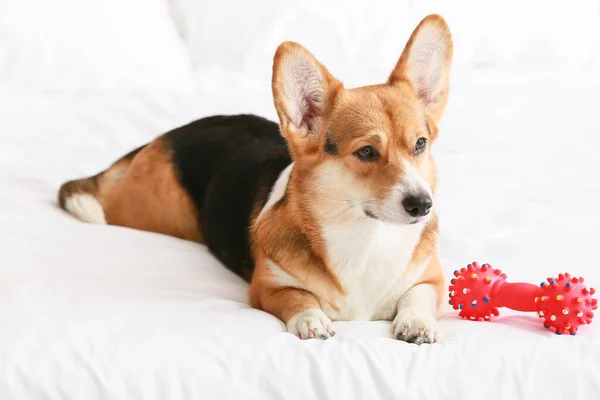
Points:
x=564 y=303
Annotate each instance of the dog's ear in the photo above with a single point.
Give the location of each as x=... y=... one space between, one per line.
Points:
x=303 y=91
x=425 y=64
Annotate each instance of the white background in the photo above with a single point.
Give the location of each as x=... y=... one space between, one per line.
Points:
x=101 y=312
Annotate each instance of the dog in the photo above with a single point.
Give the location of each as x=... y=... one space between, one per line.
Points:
x=329 y=214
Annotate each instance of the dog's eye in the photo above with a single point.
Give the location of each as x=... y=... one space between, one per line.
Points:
x=420 y=146
x=367 y=153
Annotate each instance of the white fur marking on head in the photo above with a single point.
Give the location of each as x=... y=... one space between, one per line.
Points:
x=413 y=182
x=85 y=207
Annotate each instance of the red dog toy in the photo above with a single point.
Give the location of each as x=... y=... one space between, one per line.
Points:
x=564 y=302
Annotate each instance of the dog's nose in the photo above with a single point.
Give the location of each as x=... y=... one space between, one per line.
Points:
x=417 y=206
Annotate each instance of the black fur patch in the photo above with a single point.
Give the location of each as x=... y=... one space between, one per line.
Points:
x=228 y=164
x=330 y=146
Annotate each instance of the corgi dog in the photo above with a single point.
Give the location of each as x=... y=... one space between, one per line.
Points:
x=330 y=214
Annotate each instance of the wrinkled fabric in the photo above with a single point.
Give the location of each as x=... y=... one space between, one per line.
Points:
x=101 y=312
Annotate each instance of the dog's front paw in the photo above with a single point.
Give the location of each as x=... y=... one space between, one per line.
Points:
x=310 y=324
x=414 y=327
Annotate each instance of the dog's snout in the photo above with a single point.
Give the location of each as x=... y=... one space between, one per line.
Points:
x=417 y=206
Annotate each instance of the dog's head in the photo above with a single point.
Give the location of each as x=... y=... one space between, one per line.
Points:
x=365 y=152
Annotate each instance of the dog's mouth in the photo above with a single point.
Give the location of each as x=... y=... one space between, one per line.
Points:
x=412 y=221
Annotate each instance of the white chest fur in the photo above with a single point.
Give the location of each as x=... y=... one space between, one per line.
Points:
x=371 y=258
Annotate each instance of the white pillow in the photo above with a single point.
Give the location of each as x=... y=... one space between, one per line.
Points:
x=360 y=41
x=92 y=45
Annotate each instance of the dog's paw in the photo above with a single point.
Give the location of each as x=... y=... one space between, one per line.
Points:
x=414 y=327
x=311 y=324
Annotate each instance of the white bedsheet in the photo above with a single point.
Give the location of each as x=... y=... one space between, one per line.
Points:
x=97 y=312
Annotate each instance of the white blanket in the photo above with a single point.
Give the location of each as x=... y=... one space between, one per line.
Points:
x=100 y=312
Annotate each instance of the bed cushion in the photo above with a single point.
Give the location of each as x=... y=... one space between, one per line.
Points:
x=91 y=46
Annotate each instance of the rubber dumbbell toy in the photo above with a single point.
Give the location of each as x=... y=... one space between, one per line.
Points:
x=564 y=302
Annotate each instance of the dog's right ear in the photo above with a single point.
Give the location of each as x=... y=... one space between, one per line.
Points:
x=303 y=91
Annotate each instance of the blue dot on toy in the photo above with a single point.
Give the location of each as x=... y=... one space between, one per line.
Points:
x=486 y=299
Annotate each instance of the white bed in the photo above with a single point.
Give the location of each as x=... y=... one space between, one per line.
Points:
x=100 y=312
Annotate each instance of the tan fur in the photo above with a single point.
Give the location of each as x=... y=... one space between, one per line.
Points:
x=142 y=192
x=433 y=274
x=98 y=185
x=149 y=197
x=391 y=117
x=289 y=236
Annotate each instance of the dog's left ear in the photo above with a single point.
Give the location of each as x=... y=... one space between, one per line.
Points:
x=425 y=64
